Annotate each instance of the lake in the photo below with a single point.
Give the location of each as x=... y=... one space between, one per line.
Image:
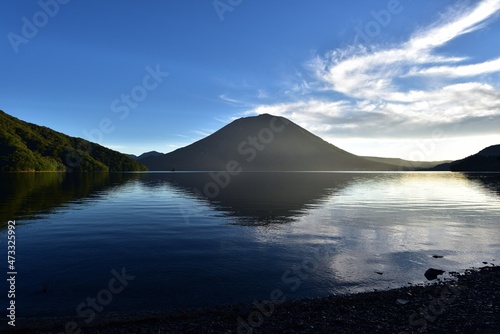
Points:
x=164 y=241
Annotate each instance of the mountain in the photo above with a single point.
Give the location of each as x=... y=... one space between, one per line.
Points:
x=491 y=151
x=262 y=143
x=144 y=155
x=132 y=156
x=29 y=147
x=487 y=160
x=149 y=154
x=408 y=164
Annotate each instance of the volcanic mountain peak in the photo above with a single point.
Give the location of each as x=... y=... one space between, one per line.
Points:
x=262 y=143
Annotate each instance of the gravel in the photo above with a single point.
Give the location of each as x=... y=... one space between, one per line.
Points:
x=469 y=303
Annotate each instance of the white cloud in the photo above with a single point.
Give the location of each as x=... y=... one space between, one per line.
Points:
x=487 y=67
x=230 y=100
x=361 y=74
x=203 y=133
x=459 y=23
x=402 y=91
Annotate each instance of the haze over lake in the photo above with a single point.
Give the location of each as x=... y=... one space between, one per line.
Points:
x=306 y=234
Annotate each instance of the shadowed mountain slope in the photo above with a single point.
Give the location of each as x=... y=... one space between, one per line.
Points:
x=262 y=143
x=487 y=160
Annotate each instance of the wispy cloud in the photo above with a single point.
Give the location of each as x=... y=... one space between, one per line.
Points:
x=364 y=74
x=232 y=101
x=486 y=67
x=203 y=133
x=402 y=91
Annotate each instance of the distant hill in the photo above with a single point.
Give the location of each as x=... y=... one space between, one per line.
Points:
x=487 y=160
x=408 y=164
x=29 y=147
x=262 y=143
x=132 y=156
x=149 y=154
x=144 y=155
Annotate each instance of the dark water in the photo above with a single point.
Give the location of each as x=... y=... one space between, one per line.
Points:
x=189 y=241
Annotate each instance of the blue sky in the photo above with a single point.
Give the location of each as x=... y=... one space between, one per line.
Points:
x=418 y=80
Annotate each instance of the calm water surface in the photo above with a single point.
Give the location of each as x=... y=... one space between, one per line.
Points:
x=190 y=242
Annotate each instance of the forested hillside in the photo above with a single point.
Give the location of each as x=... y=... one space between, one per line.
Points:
x=29 y=147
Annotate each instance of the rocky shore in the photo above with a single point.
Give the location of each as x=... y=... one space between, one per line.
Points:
x=468 y=304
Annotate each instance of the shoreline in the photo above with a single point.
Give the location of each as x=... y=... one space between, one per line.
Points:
x=468 y=304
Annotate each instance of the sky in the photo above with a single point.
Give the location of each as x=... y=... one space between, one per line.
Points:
x=418 y=80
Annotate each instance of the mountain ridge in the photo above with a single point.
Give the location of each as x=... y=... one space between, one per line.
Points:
x=26 y=146
x=257 y=143
x=410 y=164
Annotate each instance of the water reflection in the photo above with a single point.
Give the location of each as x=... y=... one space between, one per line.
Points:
x=394 y=223
x=256 y=199
x=28 y=195
x=271 y=198
x=189 y=250
x=490 y=181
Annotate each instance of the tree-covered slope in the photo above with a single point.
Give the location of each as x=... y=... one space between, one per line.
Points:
x=487 y=160
x=29 y=147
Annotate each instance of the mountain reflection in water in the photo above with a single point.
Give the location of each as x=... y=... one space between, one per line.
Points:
x=248 y=237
